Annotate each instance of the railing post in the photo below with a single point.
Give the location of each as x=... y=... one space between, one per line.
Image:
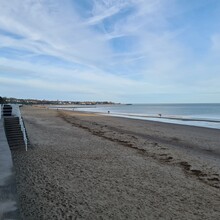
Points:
x=0 y=111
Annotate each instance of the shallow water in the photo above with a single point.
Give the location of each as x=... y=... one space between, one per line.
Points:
x=204 y=115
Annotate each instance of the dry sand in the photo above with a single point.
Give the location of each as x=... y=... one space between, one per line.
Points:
x=87 y=166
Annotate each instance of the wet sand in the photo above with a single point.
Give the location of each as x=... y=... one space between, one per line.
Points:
x=88 y=166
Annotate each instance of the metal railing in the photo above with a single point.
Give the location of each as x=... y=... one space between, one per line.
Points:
x=1 y=111
x=16 y=112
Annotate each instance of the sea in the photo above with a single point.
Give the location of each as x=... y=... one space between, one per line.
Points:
x=202 y=115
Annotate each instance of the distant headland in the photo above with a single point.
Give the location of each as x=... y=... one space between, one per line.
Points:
x=52 y=102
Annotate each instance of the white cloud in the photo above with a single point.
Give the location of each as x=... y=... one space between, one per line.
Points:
x=57 y=29
x=156 y=62
x=53 y=30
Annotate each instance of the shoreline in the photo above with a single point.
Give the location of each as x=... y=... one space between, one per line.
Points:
x=182 y=120
x=175 y=139
x=141 y=119
x=83 y=165
x=159 y=119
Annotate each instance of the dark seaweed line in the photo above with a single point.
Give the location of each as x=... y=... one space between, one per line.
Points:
x=212 y=181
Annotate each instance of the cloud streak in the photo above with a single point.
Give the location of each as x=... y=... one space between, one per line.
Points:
x=116 y=48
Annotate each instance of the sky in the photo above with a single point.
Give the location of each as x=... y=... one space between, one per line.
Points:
x=128 y=51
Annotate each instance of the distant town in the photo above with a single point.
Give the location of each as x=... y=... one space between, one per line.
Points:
x=51 y=102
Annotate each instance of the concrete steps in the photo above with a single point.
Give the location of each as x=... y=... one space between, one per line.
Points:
x=7 y=110
x=13 y=133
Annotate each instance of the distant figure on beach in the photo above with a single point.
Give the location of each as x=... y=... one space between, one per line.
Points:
x=160 y=115
x=108 y=112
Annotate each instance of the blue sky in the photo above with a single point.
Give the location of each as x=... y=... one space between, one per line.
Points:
x=136 y=51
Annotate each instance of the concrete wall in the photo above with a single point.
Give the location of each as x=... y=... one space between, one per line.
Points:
x=8 y=196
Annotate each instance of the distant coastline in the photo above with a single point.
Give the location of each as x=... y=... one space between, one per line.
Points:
x=54 y=102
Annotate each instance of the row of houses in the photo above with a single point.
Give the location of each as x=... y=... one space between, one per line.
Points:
x=49 y=102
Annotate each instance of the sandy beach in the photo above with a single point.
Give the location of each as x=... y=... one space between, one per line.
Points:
x=89 y=166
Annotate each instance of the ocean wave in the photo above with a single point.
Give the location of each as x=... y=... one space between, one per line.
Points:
x=171 y=117
x=207 y=123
